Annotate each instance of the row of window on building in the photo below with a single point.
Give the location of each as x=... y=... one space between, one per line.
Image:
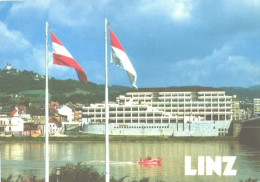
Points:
x=4 y=122
x=174 y=94
x=141 y=127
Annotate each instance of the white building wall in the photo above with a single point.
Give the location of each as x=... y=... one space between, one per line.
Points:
x=25 y=116
x=257 y=106
x=66 y=111
x=53 y=129
x=14 y=124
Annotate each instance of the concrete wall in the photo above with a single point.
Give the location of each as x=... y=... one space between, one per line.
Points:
x=205 y=128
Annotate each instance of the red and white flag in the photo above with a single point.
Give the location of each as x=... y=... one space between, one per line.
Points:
x=61 y=56
x=119 y=58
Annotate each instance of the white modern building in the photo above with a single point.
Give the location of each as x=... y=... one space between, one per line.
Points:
x=170 y=110
x=236 y=108
x=257 y=106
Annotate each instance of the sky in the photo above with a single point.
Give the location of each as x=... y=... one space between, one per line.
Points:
x=170 y=43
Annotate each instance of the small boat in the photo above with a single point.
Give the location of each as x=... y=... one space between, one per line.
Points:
x=149 y=161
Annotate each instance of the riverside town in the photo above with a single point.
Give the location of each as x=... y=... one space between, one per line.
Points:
x=155 y=114
x=172 y=111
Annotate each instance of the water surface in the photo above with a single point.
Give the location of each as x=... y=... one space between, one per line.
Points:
x=28 y=158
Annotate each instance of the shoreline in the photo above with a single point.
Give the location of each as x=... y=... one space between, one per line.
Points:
x=84 y=172
x=112 y=138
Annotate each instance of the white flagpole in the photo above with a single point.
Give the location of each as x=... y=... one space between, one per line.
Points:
x=0 y=164
x=46 y=109
x=106 y=106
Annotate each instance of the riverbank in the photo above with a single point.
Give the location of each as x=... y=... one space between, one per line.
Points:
x=88 y=137
x=250 y=133
x=72 y=172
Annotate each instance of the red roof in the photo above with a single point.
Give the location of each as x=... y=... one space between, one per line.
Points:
x=13 y=112
x=54 y=103
x=51 y=107
x=54 y=120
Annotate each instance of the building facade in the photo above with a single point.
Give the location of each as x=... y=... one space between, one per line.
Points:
x=257 y=106
x=162 y=106
x=4 y=122
x=13 y=124
x=236 y=108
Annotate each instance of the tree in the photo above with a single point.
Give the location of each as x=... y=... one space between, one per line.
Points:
x=33 y=110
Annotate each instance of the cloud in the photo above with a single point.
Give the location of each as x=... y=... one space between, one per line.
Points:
x=60 y=12
x=37 y=7
x=11 y=40
x=22 y=54
x=221 y=68
x=173 y=42
x=13 y=47
x=178 y=10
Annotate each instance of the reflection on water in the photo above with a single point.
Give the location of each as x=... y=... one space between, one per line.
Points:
x=28 y=158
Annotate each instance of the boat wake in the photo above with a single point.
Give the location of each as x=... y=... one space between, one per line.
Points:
x=121 y=163
x=114 y=162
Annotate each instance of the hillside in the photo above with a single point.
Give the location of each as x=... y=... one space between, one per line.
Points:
x=27 y=86
x=244 y=93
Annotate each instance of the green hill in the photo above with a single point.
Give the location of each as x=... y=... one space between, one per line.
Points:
x=243 y=93
x=27 y=86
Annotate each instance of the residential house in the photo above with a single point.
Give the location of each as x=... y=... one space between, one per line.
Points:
x=55 y=126
x=78 y=114
x=13 y=123
x=67 y=112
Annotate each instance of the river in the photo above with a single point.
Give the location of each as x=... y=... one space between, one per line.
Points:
x=28 y=158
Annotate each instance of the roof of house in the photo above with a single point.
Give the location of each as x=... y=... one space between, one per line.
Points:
x=13 y=112
x=55 y=120
x=54 y=103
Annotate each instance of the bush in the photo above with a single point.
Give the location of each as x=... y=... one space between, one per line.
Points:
x=78 y=172
x=81 y=173
x=72 y=173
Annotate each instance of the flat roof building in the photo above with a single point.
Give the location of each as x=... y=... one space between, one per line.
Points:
x=257 y=106
x=165 y=105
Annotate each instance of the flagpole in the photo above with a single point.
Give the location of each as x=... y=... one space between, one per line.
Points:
x=106 y=106
x=0 y=164
x=46 y=109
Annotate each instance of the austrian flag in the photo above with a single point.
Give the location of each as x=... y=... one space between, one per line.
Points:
x=61 y=56
x=119 y=58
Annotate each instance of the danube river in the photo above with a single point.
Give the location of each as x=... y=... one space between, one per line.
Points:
x=28 y=158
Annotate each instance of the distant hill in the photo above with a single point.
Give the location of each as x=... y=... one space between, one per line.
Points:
x=256 y=87
x=244 y=93
x=28 y=86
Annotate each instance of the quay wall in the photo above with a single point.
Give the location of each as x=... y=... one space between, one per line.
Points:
x=250 y=133
x=197 y=129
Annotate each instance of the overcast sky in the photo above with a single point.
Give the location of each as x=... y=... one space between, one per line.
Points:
x=170 y=43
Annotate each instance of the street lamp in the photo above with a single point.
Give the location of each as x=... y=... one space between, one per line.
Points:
x=58 y=173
